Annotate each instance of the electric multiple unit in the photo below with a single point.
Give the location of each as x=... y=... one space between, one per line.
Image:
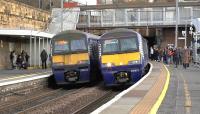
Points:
x=124 y=57
x=75 y=57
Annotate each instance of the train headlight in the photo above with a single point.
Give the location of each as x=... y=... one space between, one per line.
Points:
x=58 y=64
x=134 y=62
x=108 y=64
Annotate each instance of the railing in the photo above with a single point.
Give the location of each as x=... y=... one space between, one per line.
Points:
x=137 y=17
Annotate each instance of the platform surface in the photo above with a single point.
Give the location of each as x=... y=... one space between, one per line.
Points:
x=183 y=95
x=141 y=98
x=15 y=76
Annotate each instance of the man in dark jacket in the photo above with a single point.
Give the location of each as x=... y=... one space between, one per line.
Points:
x=44 y=57
x=12 y=59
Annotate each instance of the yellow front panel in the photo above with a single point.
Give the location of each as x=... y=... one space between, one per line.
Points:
x=70 y=59
x=75 y=58
x=58 y=59
x=120 y=59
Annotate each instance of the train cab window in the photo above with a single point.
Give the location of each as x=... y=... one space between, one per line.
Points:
x=128 y=44
x=61 y=46
x=110 y=46
x=78 y=45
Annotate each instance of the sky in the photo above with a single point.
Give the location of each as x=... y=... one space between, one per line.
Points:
x=89 y=2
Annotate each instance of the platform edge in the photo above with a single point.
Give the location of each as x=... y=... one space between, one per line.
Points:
x=156 y=106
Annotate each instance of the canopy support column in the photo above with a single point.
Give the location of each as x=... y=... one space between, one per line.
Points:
x=35 y=50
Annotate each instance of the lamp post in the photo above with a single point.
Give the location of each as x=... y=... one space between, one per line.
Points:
x=176 y=31
x=61 y=20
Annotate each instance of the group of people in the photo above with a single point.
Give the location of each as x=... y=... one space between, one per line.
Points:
x=21 y=61
x=169 y=55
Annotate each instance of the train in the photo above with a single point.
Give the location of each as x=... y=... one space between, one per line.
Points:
x=123 y=57
x=75 y=57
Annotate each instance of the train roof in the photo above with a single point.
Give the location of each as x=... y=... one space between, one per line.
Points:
x=115 y=33
x=73 y=32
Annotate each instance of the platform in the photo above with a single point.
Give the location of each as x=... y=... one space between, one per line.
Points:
x=183 y=95
x=15 y=76
x=143 y=97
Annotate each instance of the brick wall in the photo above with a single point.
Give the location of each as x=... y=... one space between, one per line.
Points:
x=15 y=15
x=169 y=37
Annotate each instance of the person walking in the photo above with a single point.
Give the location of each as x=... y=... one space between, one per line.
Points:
x=44 y=57
x=186 y=56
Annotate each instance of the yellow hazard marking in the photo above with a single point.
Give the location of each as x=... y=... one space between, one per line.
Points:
x=22 y=76
x=155 y=107
x=188 y=102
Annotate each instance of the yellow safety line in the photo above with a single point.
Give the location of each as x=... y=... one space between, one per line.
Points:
x=155 y=107
x=22 y=76
x=188 y=102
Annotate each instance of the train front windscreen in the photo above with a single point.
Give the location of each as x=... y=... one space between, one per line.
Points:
x=69 y=46
x=70 y=52
x=120 y=45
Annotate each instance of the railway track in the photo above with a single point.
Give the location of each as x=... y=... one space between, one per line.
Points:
x=72 y=102
x=50 y=101
x=91 y=106
x=31 y=101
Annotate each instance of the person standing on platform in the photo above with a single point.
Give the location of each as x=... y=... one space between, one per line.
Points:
x=176 y=58
x=186 y=56
x=156 y=54
x=165 y=59
x=180 y=55
x=151 y=53
x=27 y=59
x=44 y=57
x=13 y=59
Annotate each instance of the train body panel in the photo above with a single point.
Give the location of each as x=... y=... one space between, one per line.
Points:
x=124 y=57
x=114 y=76
x=72 y=59
x=62 y=74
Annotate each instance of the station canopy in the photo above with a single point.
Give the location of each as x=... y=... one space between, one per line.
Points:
x=25 y=33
